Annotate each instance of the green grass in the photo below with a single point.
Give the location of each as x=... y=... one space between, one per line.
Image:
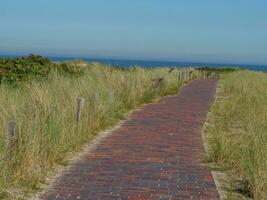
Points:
x=237 y=132
x=45 y=110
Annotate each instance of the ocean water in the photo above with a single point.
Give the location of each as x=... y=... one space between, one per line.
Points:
x=150 y=64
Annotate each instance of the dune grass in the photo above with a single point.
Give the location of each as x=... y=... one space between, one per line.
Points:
x=237 y=133
x=45 y=115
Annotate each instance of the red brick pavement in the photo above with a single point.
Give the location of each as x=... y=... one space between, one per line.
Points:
x=155 y=155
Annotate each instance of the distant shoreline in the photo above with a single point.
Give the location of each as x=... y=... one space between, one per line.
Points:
x=148 y=63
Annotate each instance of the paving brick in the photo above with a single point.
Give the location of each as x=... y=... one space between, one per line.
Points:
x=155 y=155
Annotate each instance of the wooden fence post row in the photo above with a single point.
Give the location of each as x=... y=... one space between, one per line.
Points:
x=80 y=105
x=190 y=74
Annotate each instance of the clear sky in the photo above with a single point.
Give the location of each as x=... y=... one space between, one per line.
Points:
x=226 y=31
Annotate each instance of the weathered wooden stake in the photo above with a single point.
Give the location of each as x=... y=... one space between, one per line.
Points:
x=11 y=135
x=80 y=105
x=191 y=74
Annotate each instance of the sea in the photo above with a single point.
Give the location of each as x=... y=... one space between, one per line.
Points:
x=152 y=64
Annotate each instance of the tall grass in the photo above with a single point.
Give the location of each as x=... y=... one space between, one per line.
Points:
x=237 y=132
x=45 y=115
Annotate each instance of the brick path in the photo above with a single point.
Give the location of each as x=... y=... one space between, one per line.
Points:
x=155 y=155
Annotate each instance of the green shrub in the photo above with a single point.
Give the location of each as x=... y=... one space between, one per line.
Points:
x=221 y=70
x=72 y=69
x=14 y=70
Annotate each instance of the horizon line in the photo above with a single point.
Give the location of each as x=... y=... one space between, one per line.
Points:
x=3 y=55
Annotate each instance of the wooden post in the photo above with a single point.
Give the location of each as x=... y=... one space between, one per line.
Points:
x=11 y=136
x=80 y=104
x=190 y=74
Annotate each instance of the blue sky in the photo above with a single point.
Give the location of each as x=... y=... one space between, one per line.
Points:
x=227 y=31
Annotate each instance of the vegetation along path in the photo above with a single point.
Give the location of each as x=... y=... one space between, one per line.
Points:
x=157 y=154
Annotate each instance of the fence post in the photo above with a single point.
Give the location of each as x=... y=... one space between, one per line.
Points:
x=190 y=74
x=11 y=136
x=80 y=105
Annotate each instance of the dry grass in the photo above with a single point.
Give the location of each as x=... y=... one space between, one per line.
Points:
x=237 y=133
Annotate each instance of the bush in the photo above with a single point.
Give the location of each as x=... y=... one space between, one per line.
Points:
x=221 y=70
x=14 y=70
x=72 y=68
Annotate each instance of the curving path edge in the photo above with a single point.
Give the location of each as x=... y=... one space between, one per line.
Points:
x=155 y=155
